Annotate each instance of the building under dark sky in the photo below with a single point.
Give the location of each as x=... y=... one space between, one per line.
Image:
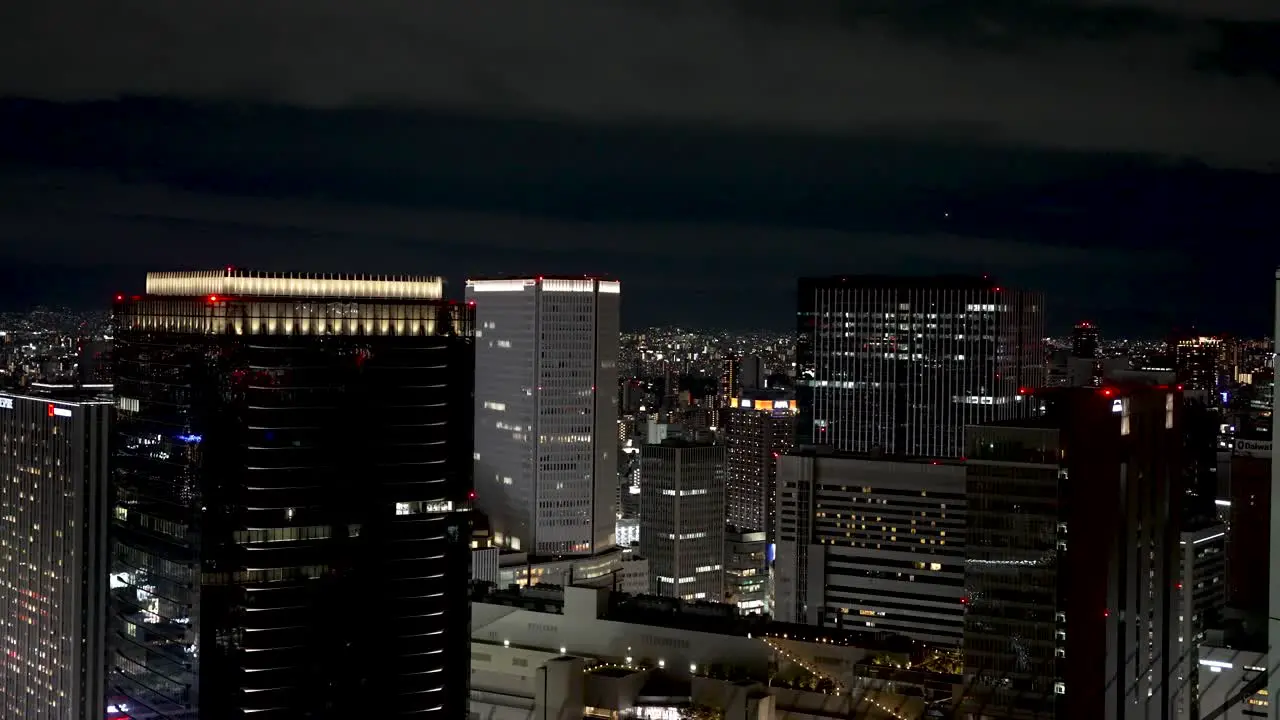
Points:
x=54 y=450
x=293 y=458
x=901 y=365
x=1072 y=557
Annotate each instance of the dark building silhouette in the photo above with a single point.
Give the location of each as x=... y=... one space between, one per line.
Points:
x=1200 y=431
x=1084 y=340
x=293 y=466
x=1249 y=541
x=901 y=365
x=1072 y=557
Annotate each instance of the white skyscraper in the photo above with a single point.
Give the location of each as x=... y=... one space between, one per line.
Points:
x=547 y=411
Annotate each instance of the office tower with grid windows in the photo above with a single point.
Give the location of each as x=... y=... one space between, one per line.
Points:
x=682 y=530
x=871 y=544
x=900 y=365
x=546 y=412
x=54 y=451
x=289 y=529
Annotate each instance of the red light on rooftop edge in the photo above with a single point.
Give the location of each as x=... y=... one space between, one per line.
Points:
x=119 y=297
x=1108 y=392
x=471 y=494
x=213 y=298
x=1022 y=391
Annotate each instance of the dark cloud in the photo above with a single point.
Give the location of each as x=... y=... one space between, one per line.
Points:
x=823 y=67
x=706 y=153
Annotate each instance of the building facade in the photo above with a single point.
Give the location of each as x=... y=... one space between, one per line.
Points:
x=293 y=464
x=546 y=412
x=1073 y=557
x=901 y=365
x=682 y=519
x=1199 y=603
x=746 y=572
x=760 y=427
x=54 y=451
x=871 y=544
x=1273 y=607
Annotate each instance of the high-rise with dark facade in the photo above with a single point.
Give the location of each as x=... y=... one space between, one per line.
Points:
x=1073 y=557
x=290 y=536
x=900 y=365
x=682 y=518
x=1084 y=340
x=54 y=449
x=760 y=426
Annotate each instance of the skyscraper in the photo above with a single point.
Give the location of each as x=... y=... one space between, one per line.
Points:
x=1198 y=361
x=54 y=447
x=293 y=463
x=546 y=411
x=760 y=426
x=682 y=518
x=1073 y=557
x=901 y=365
x=1084 y=340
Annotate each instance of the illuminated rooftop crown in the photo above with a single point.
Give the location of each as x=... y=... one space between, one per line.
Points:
x=232 y=281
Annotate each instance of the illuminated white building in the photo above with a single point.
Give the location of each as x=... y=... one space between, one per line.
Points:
x=546 y=411
x=53 y=500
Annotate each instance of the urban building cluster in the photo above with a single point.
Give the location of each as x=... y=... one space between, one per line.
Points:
x=248 y=494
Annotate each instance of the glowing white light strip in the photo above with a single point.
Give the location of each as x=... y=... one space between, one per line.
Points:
x=555 y=285
x=237 y=282
x=500 y=285
x=610 y=287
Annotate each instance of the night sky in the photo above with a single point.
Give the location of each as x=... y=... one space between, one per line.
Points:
x=1122 y=156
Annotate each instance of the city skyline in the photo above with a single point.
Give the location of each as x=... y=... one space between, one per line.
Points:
x=715 y=360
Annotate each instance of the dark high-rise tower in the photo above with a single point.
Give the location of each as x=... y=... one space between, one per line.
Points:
x=1084 y=340
x=901 y=365
x=760 y=426
x=293 y=467
x=1073 y=557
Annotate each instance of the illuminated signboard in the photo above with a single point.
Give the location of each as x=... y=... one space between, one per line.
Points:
x=55 y=411
x=1253 y=448
x=6 y=403
x=1117 y=406
x=763 y=405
